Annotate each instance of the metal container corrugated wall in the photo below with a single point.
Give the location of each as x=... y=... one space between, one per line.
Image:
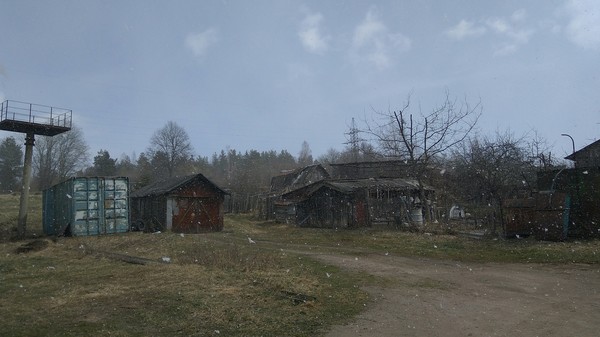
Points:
x=87 y=206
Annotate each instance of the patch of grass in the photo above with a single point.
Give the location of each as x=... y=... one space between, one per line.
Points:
x=214 y=285
x=9 y=215
x=439 y=246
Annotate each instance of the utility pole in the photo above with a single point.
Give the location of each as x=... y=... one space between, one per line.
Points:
x=24 y=201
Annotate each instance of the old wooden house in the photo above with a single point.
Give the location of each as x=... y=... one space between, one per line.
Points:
x=274 y=207
x=189 y=204
x=355 y=195
x=326 y=204
x=348 y=203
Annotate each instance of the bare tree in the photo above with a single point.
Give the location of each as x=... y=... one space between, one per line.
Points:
x=420 y=139
x=365 y=151
x=305 y=157
x=172 y=146
x=58 y=158
x=489 y=170
x=332 y=156
x=539 y=152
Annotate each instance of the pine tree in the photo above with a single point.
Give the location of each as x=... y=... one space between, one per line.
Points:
x=11 y=159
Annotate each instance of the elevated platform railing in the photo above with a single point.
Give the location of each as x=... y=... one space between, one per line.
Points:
x=40 y=119
x=36 y=113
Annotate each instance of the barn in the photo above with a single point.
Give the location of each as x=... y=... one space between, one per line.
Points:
x=189 y=204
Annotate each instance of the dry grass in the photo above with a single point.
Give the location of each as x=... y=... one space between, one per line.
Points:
x=216 y=283
x=430 y=244
x=9 y=214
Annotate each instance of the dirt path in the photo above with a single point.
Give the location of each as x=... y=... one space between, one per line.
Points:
x=444 y=298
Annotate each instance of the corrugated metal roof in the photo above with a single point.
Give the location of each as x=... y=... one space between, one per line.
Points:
x=389 y=183
x=349 y=186
x=168 y=185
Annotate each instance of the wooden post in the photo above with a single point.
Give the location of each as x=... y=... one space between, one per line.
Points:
x=21 y=227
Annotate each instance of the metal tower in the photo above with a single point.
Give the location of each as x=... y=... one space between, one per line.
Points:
x=32 y=119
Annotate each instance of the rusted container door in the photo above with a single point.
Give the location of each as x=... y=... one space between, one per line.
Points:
x=194 y=215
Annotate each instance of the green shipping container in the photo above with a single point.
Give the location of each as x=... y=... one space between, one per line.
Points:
x=87 y=206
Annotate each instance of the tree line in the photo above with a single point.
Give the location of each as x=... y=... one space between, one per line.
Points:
x=170 y=153
x=442 y=147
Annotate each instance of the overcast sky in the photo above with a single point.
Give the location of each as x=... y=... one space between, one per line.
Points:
x=267 y=75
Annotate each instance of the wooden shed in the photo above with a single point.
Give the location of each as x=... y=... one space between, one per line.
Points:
x=350 y=203
x=189 y=204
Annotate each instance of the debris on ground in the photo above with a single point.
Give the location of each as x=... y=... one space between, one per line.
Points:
x=32 y=246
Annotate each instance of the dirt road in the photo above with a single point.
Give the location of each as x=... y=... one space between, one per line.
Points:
x=444 y=298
